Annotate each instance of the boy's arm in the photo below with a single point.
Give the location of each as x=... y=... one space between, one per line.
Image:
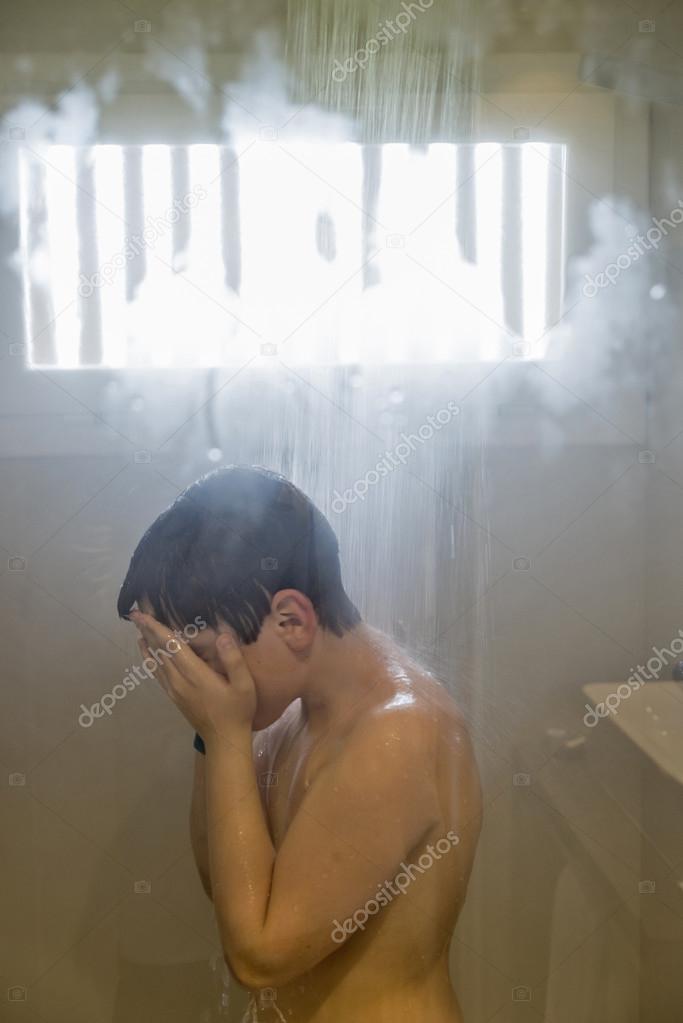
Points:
x=198 y=826
x=362 y=816
x=365 y=811
x=198 y=829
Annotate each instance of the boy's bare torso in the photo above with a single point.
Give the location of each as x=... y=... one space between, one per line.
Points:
x=394 y=966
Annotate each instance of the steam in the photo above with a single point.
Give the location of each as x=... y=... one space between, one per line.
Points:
x=176 y=54
x=621 y=330
x=260 y=104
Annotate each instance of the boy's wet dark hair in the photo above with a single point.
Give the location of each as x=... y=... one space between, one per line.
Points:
x=227 y=544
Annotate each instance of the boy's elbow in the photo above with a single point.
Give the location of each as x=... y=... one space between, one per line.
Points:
x=252 y=974
x=249 y=975
x=257 y=968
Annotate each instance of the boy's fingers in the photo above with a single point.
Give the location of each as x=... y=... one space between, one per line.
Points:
x=150 y=628
x=144 y=650
x=163 y=670
x=232 y=660
x=168 y=644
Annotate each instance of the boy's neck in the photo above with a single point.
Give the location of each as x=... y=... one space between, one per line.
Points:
x=344 y=672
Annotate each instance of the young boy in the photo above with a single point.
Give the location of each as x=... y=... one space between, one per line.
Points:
x=336 y=804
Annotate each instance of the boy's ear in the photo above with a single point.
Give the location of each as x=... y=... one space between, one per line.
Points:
x=295 y=619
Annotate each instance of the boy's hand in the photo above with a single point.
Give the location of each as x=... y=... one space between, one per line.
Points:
x=214 y=705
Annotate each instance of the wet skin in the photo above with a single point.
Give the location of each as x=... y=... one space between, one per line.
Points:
x=380 y=794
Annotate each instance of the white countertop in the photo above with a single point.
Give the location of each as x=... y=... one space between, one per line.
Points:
x=651 y=717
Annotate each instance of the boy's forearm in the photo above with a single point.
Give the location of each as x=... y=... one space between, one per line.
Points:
x=241 y=853
x=198 y=826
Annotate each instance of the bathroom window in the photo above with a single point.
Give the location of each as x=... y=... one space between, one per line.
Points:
x=161 y=256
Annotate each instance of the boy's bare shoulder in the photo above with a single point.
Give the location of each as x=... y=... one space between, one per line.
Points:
x=418 y=710
x=413 y=742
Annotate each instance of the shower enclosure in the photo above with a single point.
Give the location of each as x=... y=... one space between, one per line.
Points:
x=443 y=299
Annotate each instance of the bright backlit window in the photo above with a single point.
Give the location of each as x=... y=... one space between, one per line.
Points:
x=194 y=256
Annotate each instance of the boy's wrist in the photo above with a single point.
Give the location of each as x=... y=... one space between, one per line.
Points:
x=237 y=738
